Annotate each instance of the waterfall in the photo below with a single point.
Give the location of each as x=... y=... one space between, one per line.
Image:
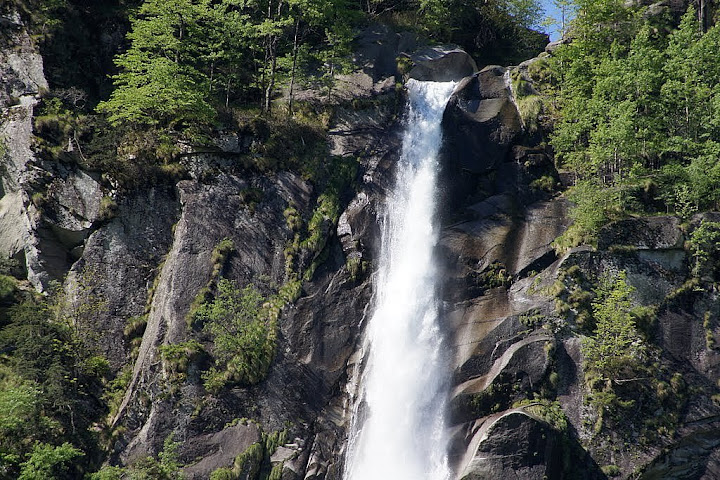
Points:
x=398 y=430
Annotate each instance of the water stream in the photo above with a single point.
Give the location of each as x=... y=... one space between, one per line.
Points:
x=399 y=427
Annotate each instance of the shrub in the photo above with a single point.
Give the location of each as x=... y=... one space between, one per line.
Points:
x=611 y=470
x=705 y=245
x=546 y=183
x=47 y=462
x=243 y=335
x=108 y=208
x=8 y=286
x=177 y=357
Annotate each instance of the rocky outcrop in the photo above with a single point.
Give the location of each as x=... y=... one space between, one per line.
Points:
x=441 y=64
x=120 y=262
x=46 y=211
x=21 y=66
x=480 y=122
x=210 y=213
x=519 y=446
x=21 y=81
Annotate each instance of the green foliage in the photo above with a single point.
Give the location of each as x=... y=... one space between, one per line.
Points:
x=704 y=245
x=51 y=385
x=495 y=31
x=223 y=473
x=108 y=473
x=637 y=114
x=626 y=386
x=356 y=267
x=218 y=259
x=494 y=276
x=549 y=411
x=8 y=285
x=135 y=326
x=47 y=462
x=248 y=463
x=115 y=390
x=220 y=255
x=186 y=58
x=165 y=467
x=616 y=350
x=243 y=335
x=177 y=357
x=254 y=462
x=108 y=208
x=594 y=205
x=611 y=470
x=533 y=319
x=546 y=183
x=529 y=103
x=22 y=421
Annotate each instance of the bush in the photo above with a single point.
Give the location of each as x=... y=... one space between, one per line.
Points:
x=47 y=462
x=243 y=335
x=705 y=245
x=177 y=357
x=8 y=285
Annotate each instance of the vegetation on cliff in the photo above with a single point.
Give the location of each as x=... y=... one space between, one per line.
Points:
x=636 y=100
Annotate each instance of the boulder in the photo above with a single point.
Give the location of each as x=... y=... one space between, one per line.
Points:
x=517 y=446
x=441 y=63
x=480 y=124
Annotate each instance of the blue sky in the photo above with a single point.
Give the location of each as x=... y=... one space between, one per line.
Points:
x=551 y=11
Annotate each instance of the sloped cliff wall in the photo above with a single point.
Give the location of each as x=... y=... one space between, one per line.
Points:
x=518 y=403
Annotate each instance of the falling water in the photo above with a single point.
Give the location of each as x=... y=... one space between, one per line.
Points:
x=402 y=432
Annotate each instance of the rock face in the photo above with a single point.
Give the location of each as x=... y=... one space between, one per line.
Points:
x=515 y=445
x=147 y=254
x=481 y=121
x=441 y=64
x=46 y=211
x=119 y=264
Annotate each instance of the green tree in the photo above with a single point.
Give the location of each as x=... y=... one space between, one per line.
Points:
x=616 y=350
x=615 y=356
x=566 y=9
x=51 y=463
x=243 y=335
x=22 y=422
x=705 y=246
x=158 y=85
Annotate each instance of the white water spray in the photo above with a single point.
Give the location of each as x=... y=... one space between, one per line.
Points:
x=403 y=436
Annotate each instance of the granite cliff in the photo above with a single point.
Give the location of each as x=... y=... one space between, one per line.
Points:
x=511 y=302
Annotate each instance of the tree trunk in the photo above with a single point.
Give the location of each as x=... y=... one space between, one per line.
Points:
x=294 y=66
x=271 y=57
x=227 y=92
x=703 y=15
x=212 y=73
x=271 y=76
